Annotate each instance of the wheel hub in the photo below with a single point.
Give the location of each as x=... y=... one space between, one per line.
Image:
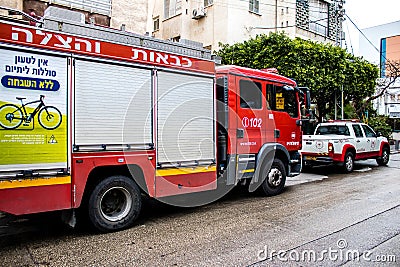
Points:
x=115 y=203
x=275 y=177
x=385 y=156
x=349 y=163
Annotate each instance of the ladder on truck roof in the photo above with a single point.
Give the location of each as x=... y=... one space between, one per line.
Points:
x=73 y=22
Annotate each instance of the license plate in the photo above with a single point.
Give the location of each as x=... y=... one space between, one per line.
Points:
x=311 y=158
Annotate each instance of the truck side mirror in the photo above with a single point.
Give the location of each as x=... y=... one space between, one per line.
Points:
x=378 y=134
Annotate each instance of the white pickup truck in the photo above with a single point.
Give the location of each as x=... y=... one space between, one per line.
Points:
x=343 y=142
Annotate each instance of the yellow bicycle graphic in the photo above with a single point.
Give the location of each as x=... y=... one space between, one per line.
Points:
x=12 y=116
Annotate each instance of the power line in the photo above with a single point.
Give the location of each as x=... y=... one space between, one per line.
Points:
x=351 y=46
x=369 y=41
x=362 y=33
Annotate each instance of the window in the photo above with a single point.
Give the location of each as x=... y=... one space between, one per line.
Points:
x=285 y=100
x=102 y=7
x=156 y=24
x=318 y=16
x=368 y=131
x=250 y=94
x=357 y=130
x=254 y=6
x=172 y=8
x=333 y=129
x=282 y=98
x=176 y=39
x=208 y=2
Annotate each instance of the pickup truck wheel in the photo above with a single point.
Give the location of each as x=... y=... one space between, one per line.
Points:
x=384 y=160
x=114 y=204
x=274 y=182
x=348 y=164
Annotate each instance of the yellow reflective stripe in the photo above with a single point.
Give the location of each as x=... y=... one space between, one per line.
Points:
x=247 y=171
x=35 y=182
x=181 y=171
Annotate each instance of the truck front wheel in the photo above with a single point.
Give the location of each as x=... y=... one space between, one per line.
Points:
x=114 y=204
x=274 y=182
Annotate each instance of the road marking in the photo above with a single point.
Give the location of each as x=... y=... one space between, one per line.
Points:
x=364 y=170
x=305 y=178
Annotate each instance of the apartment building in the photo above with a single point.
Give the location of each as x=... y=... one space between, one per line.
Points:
x=389 y=103
x=231 y=21
x=206 y=21
x=126 y=14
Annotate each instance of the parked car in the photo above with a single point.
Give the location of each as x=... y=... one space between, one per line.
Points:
x=343 y=142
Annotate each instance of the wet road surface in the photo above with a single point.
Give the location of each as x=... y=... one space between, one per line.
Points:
x=324 y=218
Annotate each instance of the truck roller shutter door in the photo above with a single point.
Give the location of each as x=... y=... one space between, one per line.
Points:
x=112 y=104
x=185 y=122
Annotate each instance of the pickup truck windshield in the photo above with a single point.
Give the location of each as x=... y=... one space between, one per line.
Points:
x=332 y=129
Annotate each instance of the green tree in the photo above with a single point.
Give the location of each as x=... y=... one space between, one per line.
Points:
x=381 y=124
x=324 y=68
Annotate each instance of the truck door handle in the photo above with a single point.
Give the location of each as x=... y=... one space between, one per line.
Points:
x=368 y=140
x=239 y=133
x=277 y=133
x=358 y=141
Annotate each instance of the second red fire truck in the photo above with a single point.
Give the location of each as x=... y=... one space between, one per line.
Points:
x=92 y=118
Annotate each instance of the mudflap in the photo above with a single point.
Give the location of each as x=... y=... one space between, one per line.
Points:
x=295 y=164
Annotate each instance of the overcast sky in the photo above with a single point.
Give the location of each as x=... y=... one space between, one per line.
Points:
x=368 y=13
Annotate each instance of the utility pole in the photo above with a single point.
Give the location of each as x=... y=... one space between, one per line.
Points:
x=339 y=18
x=276 y=15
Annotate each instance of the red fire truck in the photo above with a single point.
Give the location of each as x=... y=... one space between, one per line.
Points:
x=94 y=118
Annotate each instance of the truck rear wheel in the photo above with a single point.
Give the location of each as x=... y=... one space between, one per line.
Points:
x=348 y=164
x=114 y=204
x=275 y=179
x=384 y=160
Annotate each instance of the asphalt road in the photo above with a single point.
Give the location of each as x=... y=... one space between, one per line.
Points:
x=324 y=218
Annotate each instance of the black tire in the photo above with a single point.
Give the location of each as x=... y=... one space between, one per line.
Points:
x=274 y=179
x=384 y=160
x=49 y=117
x=348 y=163
x=114 y=204
x=11 y=116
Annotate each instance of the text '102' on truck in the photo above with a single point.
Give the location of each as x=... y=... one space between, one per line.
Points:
x=94 y=118
x=343 y=142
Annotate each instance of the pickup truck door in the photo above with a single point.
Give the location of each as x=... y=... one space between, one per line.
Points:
x=372 y=142
x=360 y=140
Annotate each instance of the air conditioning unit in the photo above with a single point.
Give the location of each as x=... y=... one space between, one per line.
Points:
x=198 y=13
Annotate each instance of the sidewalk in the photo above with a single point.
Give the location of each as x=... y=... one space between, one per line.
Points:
x=393 y=150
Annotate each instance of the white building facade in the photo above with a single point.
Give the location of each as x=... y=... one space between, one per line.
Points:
x=389 y=103
x=229 y=22
x=385 y=47
x=129 y=15
x=372 y=53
